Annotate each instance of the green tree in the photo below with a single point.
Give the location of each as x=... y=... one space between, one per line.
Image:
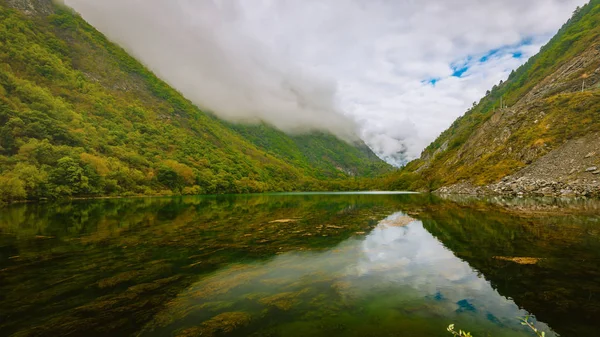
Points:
x=9 y=134
x=168 y=177
x=11 y=188
x=69 y=177
x=35 y=180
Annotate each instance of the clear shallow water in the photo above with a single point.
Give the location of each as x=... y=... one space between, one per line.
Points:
x=298 y=265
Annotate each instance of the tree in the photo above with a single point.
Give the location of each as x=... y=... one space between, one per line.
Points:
x=69 y=177
x=34 y=180
x=168 y=177
x=11 y=188
x=9 y=134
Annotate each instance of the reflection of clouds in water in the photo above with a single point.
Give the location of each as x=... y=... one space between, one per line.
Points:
x=408 y=255
x=398 y=257
x=411 y=255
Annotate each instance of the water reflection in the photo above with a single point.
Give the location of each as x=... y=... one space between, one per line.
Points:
x=395 y=277
x=410 y=255
x=288 y=265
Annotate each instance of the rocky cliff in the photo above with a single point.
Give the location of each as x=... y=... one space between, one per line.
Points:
x=544 y=140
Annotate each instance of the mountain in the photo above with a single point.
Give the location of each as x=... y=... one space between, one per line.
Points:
x=80 y=117
x=544 y=138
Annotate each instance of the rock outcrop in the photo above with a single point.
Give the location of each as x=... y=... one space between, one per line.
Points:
x=570 y=170
x=34 y=7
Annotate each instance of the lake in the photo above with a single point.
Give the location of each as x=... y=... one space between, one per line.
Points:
x=336 y=264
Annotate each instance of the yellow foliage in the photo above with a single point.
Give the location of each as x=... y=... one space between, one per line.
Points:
x=539 y=142
x=99 y=164
x=182 y=170
x=11 y=187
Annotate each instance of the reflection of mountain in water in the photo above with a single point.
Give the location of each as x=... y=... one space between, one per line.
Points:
x=549 y=265
x=397 y=268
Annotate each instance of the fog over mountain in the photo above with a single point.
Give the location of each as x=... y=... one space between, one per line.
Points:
x=394 y=73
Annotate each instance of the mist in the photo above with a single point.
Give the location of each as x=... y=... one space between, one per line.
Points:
x=393 y=73
x=199 y=48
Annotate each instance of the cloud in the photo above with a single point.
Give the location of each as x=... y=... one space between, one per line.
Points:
x=202 y=49
x=401 y=71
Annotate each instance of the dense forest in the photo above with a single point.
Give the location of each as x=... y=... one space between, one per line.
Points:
x=79 y=117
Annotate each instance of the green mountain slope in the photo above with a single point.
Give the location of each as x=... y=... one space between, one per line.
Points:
x=316 y=150
x=544 y=108
x=80 y=117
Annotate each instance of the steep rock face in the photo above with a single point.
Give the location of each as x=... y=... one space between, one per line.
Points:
x=33 y=7
x=550 y=105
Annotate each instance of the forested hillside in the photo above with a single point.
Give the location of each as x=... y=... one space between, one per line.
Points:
x=549 y=102
x=80 y=117
x=322 y=153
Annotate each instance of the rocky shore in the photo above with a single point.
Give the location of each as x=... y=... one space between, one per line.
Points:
x=528 y=187
x=573 y=169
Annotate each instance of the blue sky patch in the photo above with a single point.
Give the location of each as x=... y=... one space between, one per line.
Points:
x=460 y=70
x=489 y=54
x=514 y=49
x=431 y=81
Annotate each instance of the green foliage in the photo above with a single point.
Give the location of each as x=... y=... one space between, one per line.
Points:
x=458 y=333
x=315 y=152
x=80 y=117
x=168 y=177
x=525 y=321
x=69 y=178
x=12 y=188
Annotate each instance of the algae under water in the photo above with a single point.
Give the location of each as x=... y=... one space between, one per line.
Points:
x=299 y=265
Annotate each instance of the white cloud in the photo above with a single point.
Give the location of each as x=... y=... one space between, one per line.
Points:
x=304 y=64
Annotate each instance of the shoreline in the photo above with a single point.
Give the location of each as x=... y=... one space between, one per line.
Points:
x=525 y=188
x=16 y=202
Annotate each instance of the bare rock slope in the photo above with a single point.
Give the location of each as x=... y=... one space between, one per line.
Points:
x=572 y=169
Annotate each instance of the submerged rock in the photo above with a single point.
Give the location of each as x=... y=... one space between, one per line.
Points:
x=397 y=222
x=226 y=322
x=519 y=260
x=284 y=220
x=283 y=301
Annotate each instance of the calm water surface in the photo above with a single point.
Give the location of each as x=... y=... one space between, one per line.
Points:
x=299 y=265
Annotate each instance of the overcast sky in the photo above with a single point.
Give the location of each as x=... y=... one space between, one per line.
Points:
x=395 y=72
